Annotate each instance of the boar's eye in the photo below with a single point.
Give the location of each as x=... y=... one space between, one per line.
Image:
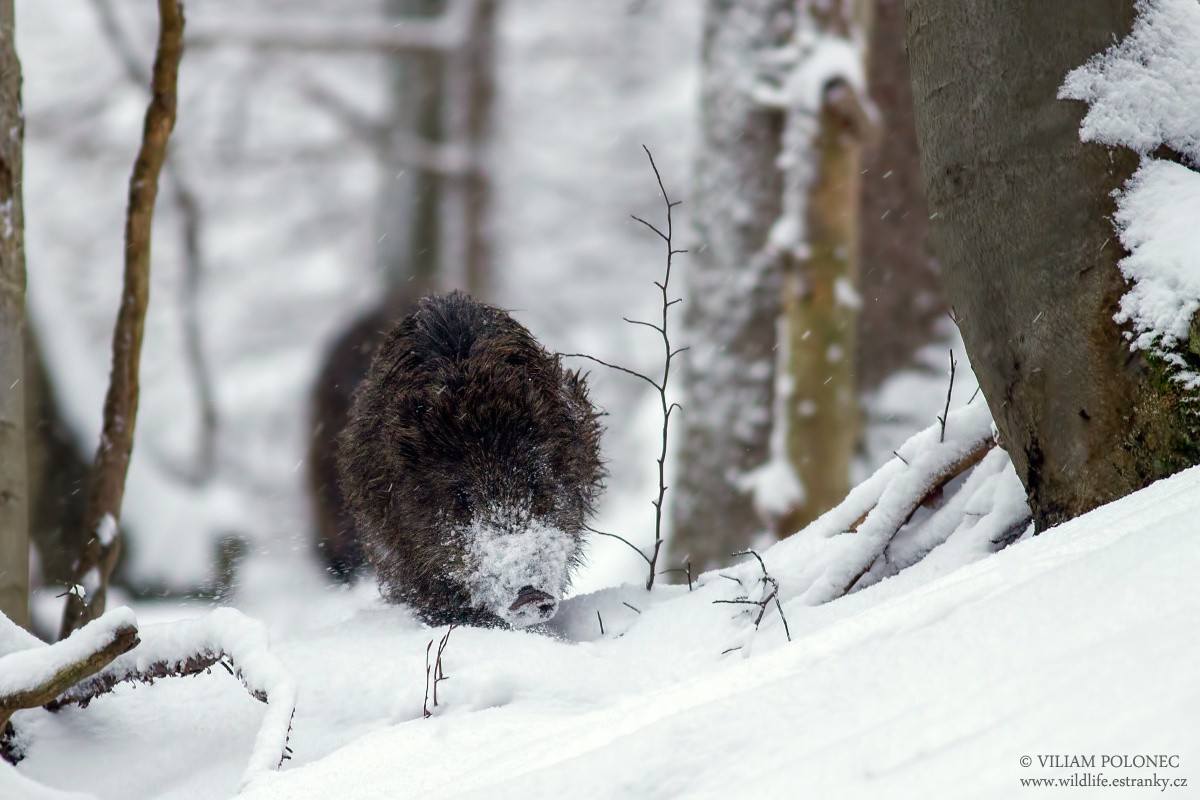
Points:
x=462 y=501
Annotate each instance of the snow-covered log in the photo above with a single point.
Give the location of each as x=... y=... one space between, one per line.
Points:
x=33 y=674
x=227 y=638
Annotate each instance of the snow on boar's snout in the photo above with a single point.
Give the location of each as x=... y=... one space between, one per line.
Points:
x=470 y=464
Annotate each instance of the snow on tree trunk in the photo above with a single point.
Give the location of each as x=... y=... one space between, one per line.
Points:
x=771 y=288
x=14 y=499
x=732 y=282
x=1022 y=224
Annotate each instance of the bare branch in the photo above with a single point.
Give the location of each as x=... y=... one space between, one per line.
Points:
x=188 y=204
x=631 y=545
x=649 y=325
x=107 y=486
x=603 y=363
x=757 y=558
x=664 y=237
x=949 y=392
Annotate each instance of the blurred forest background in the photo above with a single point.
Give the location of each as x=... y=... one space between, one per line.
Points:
x=332 y=160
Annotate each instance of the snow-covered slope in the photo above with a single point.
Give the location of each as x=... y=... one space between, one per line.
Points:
x=1081 y=641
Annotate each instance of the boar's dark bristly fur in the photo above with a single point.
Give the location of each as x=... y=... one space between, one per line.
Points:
x=466 y=423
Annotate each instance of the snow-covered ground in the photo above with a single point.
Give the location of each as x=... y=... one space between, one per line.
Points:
x=932 y=683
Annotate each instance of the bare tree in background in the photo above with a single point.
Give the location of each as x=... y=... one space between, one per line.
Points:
x=902 y=303
x=772 y=285
x=14 y=497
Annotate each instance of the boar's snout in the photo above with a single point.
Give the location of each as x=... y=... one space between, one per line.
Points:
x=531 y=607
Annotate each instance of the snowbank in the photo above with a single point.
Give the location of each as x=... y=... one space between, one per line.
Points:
x=934 y=682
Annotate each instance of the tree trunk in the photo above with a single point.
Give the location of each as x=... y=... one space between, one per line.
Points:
x=1022 y=226
x=901 y=301
x=14 y=469
x=432 y=215
x=58 y=474
x=408 y=245
x=732 y=283
x=820 y=293
x=106 y=490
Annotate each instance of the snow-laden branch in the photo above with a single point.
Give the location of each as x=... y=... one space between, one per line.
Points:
x=227 y=638
x=911 y=504
x=34 y=676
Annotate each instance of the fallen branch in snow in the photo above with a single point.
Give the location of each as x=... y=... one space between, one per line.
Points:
x=36 y=676
x=668 y=356
x=860 y=529
x=947 y=473
x=908 y=506
x=226 y=638
x=437 y=673
x=771 y=595
x=102 y=541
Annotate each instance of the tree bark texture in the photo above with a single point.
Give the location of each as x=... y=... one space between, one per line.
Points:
x=14 y=469
x=732 y=288
x=102 y=545
x=820 y=309
x=1022 y=226
x=902 y=303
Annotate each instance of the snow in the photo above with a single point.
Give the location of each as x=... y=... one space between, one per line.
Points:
x=106 y=530
x=1156 y=215
x=940 y=673
x=1142 y=95
x=225 y=633
x=505 y=556
x=1142 y=92
x=796 y=78
x=1074 y=641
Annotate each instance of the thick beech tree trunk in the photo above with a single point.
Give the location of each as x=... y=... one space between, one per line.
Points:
x=1021 y=224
